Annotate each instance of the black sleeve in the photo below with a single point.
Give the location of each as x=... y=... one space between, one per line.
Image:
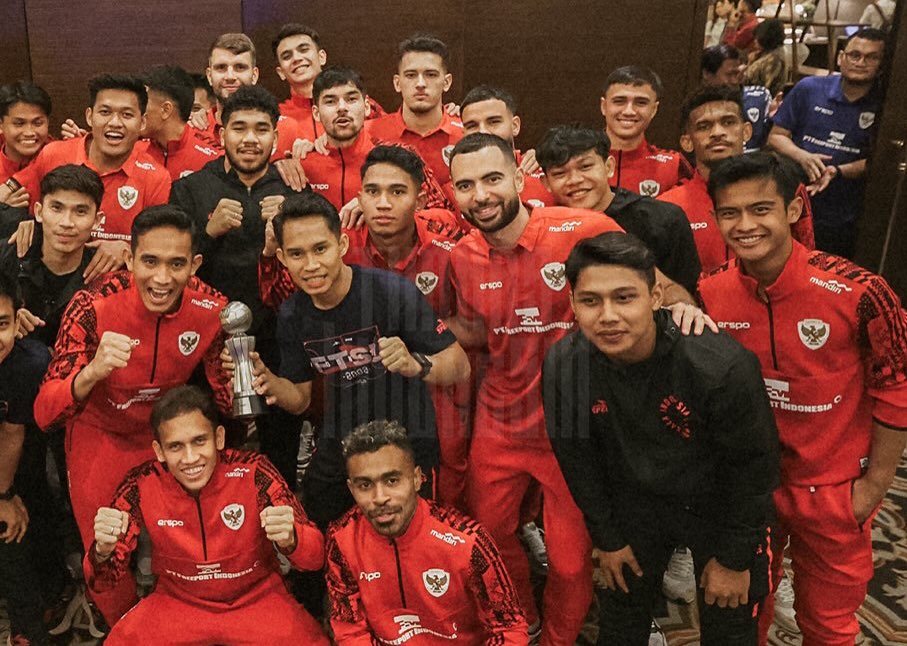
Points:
x=29 y=363
x=10 y=217
x=294 y=360
x=746 y=438
x=679 y=259
x=421 y=329
x=565 y=390
x=183 y=194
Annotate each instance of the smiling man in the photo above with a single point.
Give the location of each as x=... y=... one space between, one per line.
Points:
x=123 y=343
x=132 y=180
x=395 y=550
x=215 y=519
x=663 y=439
x=24 y=123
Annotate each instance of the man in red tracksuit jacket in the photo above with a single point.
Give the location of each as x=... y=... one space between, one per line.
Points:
x=629 y=103
x=715 y=128
x=402 y=569
x=832 y=341
x=124 y=342
x=216 y=519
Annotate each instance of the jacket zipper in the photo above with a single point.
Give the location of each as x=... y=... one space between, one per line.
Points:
x=399 y=573
x=201 y=524
x=771 y=332
x=157 y=334
x=342 y=178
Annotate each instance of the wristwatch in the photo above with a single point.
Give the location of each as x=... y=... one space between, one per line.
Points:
x=424 y=362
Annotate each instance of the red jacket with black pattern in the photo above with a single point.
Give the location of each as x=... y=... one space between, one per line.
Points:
x=166 y=350
x=832 y=341
x=210 y=549
x=441 y=582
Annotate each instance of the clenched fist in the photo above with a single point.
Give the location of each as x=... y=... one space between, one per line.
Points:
x=109 y=526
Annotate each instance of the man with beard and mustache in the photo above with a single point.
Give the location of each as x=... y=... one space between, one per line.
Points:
x=826 y=125
x=231 y=201
x=509 y=279
x=422 y=78
x=454 y=580
x=715 y=128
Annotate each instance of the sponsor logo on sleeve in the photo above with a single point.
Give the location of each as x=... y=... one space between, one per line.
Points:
x=204 y=303
x=833 y=286
x=238 y=472
x=436 y=581
x=127 y=196
x=565 y=227
x=449 y=537
x=369 y=576
x=188 y=342
x=813 y=332
x=233 y=515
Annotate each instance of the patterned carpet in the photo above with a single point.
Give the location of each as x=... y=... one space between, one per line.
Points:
x=883 y=617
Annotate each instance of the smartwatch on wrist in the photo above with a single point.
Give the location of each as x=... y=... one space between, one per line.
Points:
x=424 y=362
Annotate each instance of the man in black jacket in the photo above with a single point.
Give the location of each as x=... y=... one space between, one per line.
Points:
x=231 y=201
x=663 y=439
x=578 y=166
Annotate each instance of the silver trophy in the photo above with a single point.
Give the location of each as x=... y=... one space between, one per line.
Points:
x=236 y=319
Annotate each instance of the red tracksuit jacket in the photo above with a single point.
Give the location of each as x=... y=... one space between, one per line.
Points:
x=648 y=170
x=832 y=341
x=442 y=582
x=167 y=350
x=208 y=550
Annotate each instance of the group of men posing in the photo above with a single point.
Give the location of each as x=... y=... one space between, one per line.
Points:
x=414 y=283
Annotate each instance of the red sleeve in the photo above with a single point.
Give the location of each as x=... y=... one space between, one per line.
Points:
x=802 y=229
x=77 y=342
x=104 y=576
x=274 y=282
x=490 y=585
x=217 y=376
x=464 y=308
x=158 y=191
x=30 y=178
x=274 y=492
x=348 y=619
x=883 y=335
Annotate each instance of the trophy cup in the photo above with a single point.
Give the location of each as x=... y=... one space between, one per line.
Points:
x=236 y=319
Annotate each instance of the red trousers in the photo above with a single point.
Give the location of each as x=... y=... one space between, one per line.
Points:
x=97 y=463
x=272 y=619
x=500 y=473
x=831 y=555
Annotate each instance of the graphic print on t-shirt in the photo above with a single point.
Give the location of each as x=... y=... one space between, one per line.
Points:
x=350 y=358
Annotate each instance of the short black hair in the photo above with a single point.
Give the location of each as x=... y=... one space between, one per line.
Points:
x=23 y=92
x=403 y=158
x=710 y=94
x=251 y=97
x=124 y=82
x=162 y=215
x=9 y=288
x=74 y=177
x=307 y=204
x=784 y=172
x=488 y=93
x=200 y=82
x=769 y=34
x=295 y=29
x=754 y=5
x=636 y=76
x=424 y=43
x=175 y=83
x=179 y=401
x=713 y=57
x=868 y=33
x=479 y=140
x=334 y=76
x=611 y=248
x=562 y=143
x=374 y=436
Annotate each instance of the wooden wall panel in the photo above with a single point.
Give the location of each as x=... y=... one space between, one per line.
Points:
x=14 y=60
x=125 y=36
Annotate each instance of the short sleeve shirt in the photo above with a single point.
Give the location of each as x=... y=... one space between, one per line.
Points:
x=822 y=120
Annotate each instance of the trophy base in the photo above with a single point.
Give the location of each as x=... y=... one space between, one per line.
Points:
x=247 y=406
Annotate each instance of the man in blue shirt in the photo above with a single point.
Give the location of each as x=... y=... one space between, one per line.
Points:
x=826 y=125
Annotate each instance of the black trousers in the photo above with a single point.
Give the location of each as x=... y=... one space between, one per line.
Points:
x=653 y=529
